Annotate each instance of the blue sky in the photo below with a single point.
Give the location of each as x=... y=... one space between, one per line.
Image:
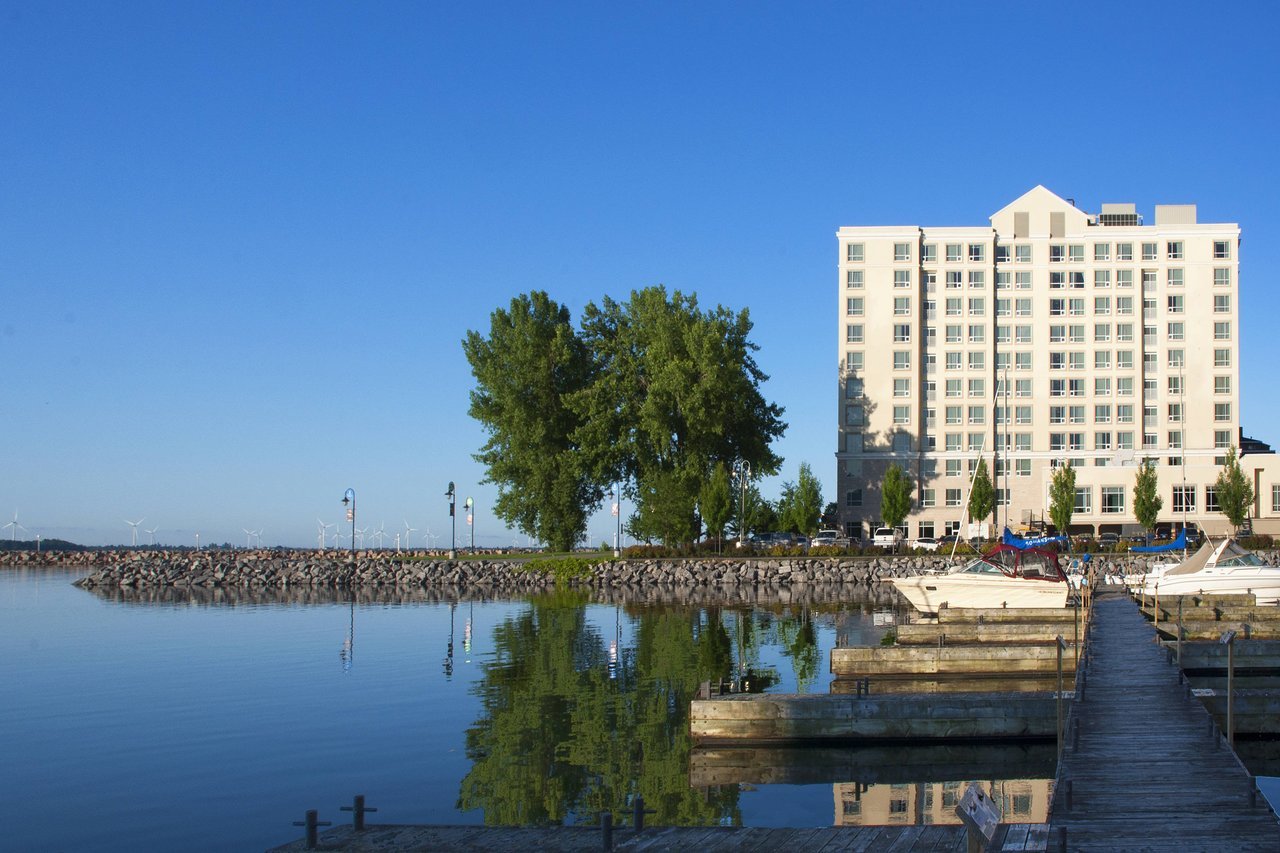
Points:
x=240 y=243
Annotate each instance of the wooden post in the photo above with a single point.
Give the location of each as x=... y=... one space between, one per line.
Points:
x=1178 y=643
x=1229 y=638
x=1061 y=645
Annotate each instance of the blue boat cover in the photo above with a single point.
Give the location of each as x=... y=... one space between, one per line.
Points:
x=1010 y=538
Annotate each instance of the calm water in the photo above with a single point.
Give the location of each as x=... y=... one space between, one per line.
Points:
x=161 y=722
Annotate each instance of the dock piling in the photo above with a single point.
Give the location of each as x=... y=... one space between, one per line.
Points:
x=312 y=824
x=357 y=809
x=606 y=830
x=639 y=811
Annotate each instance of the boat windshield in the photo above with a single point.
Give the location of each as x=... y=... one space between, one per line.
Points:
x=1241 y=561
x=981 y=567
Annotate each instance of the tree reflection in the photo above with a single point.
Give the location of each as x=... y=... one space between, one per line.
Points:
x=561 y=741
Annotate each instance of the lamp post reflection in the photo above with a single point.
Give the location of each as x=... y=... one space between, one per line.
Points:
x=448 y=654
x=348 y=653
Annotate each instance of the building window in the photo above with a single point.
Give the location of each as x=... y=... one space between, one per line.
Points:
x=1150 y=251
x=1222 y=384
x=955 y=414
x=1124 y=332
x=1124 y=278
x=1102 y=359
x=902 y=278
x=853 y=278
x=1175 y=439
x=977 y=333
x=1004 y=307
x=1124 y=440
x=1101 y=332
x=953 y=497
x=902 y=442
x=1211 y=499
x=1124 y=251
x=1222 y=277
x=1222 y=303
x=1102 y=386
x=853 y=361
x=977 y=306
x=1002 y=281
x=854 y=252
x=853 y=306
x=854 y=416
x=1175 y=278
x=955 y=388
x=1222 y=412
x=901 y=306
x=1174 y=412
x=1184 y=499
x=1022 y=253
x=902 y=333
x=902 y=251
x=1022 y=307
x=853 y=498
x=977 y=388
x=1084 y=500
x=928 y=498
x=1222 y=358
x=1124 y=359
x=955 y=279
x=1275 y=498
x=1002 y=254
x=977 y=252
x=1176 y=331
x=902 y=414
x=1102 y=251
x=1174 y=250
x=1102 y=278
x=1221 y=250
x=852 y=386
x=1022 y=467
x=902 y=359
x=1124 y=386
x=1102 y=305
x=1222 y=331
x=977 y=278
x=1057 y=254
x=1075 y=253
x=853 y=333
x=1022 y=387
x=1175 y=304
x=1112 y=500
x=929 y=253
x=955 y=307
x=902 y=387
x=954 y=252
x=1102 y=413
x=977 y=360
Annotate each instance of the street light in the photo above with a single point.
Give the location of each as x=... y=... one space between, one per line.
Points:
x=617 y=514
x=350 y=497
x=453 y=523
x=471 y=505
x=742 y=468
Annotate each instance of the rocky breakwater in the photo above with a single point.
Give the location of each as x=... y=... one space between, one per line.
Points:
x=248 y=570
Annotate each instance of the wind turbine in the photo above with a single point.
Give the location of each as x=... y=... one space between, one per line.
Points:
x=248 y=537
x=257 y=535
x=407 y=531
x=134 y=525
x=15 y=526
x=397 y=543
x=380 y=532
x=361 y=531
x=152 y=534
x=323 y=528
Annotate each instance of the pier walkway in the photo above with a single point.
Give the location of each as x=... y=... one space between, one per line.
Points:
x=1146 y=769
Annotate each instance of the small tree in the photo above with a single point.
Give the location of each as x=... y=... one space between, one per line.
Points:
x=1146 y=499
x=831 y=516
x=801 y=504
x=982 y=497
x=895 y=496
x=715 y=502
x=1235 y=492
x=1062 y=497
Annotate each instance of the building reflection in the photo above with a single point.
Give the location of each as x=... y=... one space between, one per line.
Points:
x=923 y=803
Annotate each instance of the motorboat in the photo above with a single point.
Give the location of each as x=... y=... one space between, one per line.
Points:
x=1219 y=569
x=1005 y=576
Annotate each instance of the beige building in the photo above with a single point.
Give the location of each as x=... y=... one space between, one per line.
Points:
x=924 y=803
x=1051 y=335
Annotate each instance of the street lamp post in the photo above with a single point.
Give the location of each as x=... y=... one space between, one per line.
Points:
x=453 y=523
x=350 y=496
x=743 y=469
x=617 y=514
x=471 y=522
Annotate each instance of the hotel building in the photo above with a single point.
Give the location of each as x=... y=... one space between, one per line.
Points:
x=1051 y=335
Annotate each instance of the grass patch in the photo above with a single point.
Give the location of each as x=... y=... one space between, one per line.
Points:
x=563 y=569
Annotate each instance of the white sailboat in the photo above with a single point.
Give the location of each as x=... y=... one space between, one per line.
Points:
x=1003 y=577
x=1218 y=569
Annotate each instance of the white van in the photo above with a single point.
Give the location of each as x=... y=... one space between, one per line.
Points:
x=886 y=537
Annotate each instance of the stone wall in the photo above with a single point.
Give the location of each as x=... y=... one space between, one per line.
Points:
x=309 y=569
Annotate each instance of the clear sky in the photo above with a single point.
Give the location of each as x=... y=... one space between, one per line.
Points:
x=240 y=243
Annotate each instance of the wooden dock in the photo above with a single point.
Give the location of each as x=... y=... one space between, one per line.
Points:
x=706 y=839
x=1148 y=770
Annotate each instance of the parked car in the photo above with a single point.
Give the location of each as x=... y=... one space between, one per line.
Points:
x=825 y=538
x=926 y=543
x=1108 y=540
x=886 y=537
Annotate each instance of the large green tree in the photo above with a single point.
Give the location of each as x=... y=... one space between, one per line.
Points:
x=526 y=370
x=1062 y=497
x=895 y=496
x=1147 y=502
x=676 y=391
x=801 y=504
x=1235 y=492
x=982 y=497
x=715 y=501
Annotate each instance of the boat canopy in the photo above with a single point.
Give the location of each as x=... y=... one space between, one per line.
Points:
x=1224 y=550
x=1178 y=544
x=1015 y=541
x=1026 y=562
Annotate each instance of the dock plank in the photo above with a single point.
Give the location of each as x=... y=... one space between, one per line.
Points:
x=1148 y=773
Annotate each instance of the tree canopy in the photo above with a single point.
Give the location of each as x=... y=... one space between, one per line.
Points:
x=1147 y=502
x=982 y=497
x=800 y=506
x=1062 y=497
x=653 y=392
x=1235 y=492
x=895 y=496
x=715 y=501
x=527 y=370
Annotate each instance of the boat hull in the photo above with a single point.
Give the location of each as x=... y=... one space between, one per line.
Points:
x=929 y=594
x=1265 y=585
